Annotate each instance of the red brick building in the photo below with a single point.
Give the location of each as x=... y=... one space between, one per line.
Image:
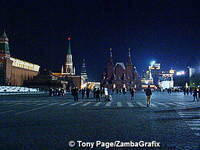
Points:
x=14 y=71
x=118 y=75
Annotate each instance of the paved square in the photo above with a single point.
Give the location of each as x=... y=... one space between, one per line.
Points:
x=51 y=122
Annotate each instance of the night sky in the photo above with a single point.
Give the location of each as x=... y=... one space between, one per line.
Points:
x=167 y=31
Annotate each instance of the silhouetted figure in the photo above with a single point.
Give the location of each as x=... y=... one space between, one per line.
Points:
x=124 y=91
x=199 y=93
x=120 y=91
x=83 y=93
x=50 y=92
x=97 y=94
x=88 y=92
x=187 y=91
x=191 y=91
x=102 y=92
x=132 y=92
x=75 y=93
x=117 y=91
x=195 y=94
x=94 y=93
x=148 y=95
x=113 y=91
x=54 y=92
x=184 y=91
x=59 y=92
x=62 y=91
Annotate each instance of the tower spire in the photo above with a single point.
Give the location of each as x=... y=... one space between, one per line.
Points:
x=129 y=57
x=111 y=56
x=4 y=34
x=69 y=48
x=111 y=52
x=4 y=45
x=68 y=67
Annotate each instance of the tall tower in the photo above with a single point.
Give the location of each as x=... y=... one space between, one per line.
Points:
x=5 y=62
x=4 y=46
x=130 y=69
x=68 y=66
x=129 y=62
x=110 y=65
x=83 y=71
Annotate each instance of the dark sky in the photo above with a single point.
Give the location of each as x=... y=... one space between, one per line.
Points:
x=167 y=31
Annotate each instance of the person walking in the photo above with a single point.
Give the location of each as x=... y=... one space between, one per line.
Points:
x=148 y=93
x=195 y=94
x=94 y=92
x=101 y=93
x=199 y=93
x=124 y=91
x=83 y=93
x=168 y=91
x=187 y=91
x=132 y=92
x=191 y=91
x=62 y=92
x=75 y=93
x=184 y=91
x=50 y=92
x=97 y=94
x=117 y=91
x=88 y=93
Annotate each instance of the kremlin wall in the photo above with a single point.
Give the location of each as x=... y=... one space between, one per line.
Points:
x=14 y=71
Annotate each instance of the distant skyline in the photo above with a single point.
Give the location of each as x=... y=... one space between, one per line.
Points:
x=164 y=31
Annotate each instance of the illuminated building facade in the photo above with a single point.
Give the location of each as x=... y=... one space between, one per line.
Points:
x=83 y=71
x=119 y=75
x=147 y=79
x=68 y=67
x=166 y=79
x=154 y=69
x=68 y=72
x=14 y=71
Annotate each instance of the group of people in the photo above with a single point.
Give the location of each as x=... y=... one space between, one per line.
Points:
x=196 y=93
x=56 y=92
x=98 y=93
x=86 y=92
x=186 y=91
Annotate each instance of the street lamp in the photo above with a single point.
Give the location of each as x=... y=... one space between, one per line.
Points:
x=152 y=62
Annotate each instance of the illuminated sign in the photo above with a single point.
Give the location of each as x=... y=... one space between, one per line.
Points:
x=172 y=71
x=25 y=65
x=155 y=66
x=180 y=73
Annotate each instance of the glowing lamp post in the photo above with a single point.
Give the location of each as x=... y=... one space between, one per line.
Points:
x=152 y=62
